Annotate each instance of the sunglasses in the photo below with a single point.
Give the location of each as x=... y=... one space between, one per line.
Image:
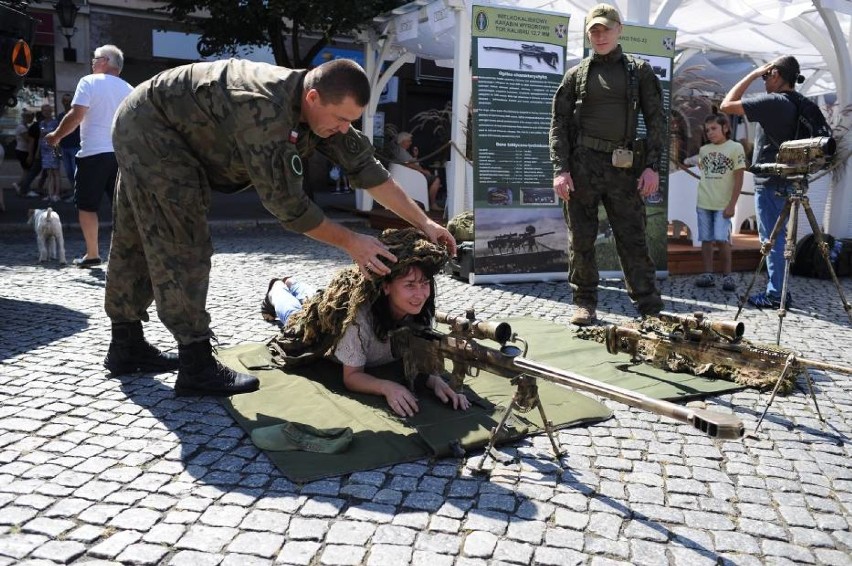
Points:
x=767 y=74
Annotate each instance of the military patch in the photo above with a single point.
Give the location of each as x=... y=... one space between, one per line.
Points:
x=352 y=144
x=296 y=164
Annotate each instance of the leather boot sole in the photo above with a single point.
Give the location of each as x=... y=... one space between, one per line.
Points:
x=224 y=391
x=122 y=368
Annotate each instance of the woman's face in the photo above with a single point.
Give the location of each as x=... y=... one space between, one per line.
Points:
x=407 y=294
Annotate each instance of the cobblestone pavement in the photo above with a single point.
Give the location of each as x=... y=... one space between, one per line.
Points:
x=107 y=471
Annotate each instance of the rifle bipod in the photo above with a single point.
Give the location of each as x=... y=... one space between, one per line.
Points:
x=791 y=364
x=524 y=400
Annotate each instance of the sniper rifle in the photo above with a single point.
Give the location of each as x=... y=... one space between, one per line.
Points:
x=425 y=350
x=714 y=349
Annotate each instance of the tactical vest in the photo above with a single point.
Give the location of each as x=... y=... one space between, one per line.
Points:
x=581 y=78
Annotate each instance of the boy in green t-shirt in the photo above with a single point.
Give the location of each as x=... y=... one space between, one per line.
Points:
x=722 y=163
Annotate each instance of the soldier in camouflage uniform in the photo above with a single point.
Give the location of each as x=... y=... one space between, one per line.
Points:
x=592 y=117
x=223 y=126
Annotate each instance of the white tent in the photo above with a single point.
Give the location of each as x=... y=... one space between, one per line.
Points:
x=817 y=32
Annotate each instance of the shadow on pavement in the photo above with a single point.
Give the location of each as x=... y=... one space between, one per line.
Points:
x=58 y=322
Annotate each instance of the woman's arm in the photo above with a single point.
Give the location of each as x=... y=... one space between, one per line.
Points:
x=399 y=398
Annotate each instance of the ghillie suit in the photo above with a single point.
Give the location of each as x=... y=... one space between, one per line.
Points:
x=314 y=331
x=461 y=227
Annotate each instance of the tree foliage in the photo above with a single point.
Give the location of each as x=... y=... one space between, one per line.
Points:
x=296 y=30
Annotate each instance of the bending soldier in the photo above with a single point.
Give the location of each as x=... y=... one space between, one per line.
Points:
x=223 y=126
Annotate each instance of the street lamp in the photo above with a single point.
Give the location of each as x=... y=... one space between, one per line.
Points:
x=66 y=10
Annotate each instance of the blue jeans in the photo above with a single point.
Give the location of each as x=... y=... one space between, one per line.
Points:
x=288 y=300
x=69 y=163
x=768 y=204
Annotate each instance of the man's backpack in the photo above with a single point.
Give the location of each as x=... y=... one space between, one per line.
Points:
x=808 y=261
x=811 y=122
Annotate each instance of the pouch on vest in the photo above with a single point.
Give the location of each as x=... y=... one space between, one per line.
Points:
x=622 y=158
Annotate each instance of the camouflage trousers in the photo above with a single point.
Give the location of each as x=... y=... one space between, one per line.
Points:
x=161 y=246
x=596 y=182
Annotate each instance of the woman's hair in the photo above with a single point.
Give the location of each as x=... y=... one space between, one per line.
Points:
x=403 y=136
x=720 y=119
x=383 y=321
x=325 y=317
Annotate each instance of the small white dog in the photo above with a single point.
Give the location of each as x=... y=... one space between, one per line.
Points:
x=48 y=229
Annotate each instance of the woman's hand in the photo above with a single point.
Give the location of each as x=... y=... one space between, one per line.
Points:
x=400 y=399
x=445 y=393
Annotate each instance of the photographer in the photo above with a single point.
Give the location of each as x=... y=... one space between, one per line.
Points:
x=777 y=112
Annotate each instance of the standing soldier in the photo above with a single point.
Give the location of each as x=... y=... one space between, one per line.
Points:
x=596 y=160
x=223 y=126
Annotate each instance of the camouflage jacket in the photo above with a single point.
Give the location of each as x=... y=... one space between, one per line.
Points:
x=241 y=120
x=565 y=125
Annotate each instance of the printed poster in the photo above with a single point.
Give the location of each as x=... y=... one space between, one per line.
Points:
x=518 y=63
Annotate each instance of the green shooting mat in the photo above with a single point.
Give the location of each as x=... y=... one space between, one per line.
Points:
x=314 y=395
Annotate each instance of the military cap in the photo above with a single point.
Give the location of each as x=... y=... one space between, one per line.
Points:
x=603 y=14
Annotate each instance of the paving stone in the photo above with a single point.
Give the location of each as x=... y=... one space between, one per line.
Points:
x=62 y=551
x=206 y=539
x=143 y=554
x=342 y=555
x=298 y=552
x=50 y=527
x=480 y=544
x=353 y=533
x=19 y=545
x=310 y=529
x=195 y=558
x=514 y=552
x=115 y=544
x=394 y=535
x=265 y=545
x=386 y=554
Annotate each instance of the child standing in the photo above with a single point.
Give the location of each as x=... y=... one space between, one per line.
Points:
x=49 y=158
x=722 y=164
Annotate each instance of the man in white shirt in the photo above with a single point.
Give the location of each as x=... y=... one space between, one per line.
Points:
x=93 y=108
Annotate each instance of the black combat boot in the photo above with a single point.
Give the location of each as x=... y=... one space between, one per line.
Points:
x=200 y=373
x=129 y=352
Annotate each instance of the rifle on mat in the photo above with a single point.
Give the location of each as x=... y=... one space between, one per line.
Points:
x=700 y=346
x=424 y=350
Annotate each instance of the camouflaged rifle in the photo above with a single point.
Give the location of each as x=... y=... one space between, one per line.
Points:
x=425 y=351
x=700 y=346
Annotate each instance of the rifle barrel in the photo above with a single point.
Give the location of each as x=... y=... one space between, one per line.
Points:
x=712 y=423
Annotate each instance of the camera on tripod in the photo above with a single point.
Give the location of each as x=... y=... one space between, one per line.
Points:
x=799 y=157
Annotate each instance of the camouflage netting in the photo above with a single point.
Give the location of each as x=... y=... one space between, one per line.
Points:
x=315 y=330
x=746 y=363
x=461 y=227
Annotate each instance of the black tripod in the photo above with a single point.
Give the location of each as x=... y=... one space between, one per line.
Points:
x=798 y=197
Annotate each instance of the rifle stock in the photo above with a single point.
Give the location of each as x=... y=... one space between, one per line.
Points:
x=424 y=350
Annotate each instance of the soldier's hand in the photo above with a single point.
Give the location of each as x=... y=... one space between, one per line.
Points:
x=563 y=184
x=440 y=235
x=648 y=183
x=51 y=139
x=366 y=252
